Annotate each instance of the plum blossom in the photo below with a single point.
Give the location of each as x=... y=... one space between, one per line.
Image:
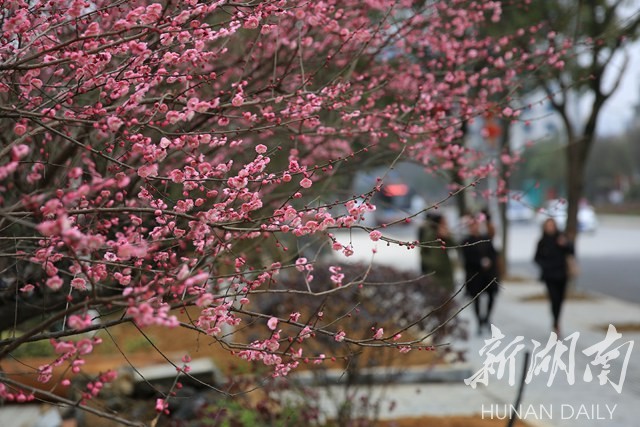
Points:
x=19 y=151
x=79 y=322
x=251 y=22
x=161 y=405
x=148 y=170
x=237 y=100
x=272 y=323
x=294 y=316
x=127 y=251
x=336 y=276
x=79 y=284
x=114 y=123
x=19 y=129
x=507 y=112
x=301 y=263
x=54 y=283
x=306 y=183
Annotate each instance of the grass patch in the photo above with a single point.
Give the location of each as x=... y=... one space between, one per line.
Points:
x=629 y=327
x=571 y=296
x=516 y=280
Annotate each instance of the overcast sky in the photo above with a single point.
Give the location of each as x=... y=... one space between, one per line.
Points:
x=618 y=112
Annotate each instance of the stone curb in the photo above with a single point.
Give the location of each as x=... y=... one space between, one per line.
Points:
x=455 y=372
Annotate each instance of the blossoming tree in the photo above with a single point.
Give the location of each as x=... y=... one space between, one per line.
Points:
x=166 y=155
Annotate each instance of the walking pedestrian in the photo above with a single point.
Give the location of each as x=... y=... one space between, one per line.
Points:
x=552 y=253
x=481 y=268
x=434 y=257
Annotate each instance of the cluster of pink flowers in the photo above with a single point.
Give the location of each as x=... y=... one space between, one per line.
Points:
x=166 y=156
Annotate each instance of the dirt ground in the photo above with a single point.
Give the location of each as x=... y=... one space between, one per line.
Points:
x=448 y=422
x=125 y=345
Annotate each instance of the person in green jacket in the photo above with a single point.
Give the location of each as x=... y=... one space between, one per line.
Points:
x=434 y=257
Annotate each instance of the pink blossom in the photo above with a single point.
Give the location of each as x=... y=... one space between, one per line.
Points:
x=294 y=316
x=54 y=283
x=79 y=322
x=379 y=333
x=300 y=263
x=122 y=180
x=63 y=347
x=128 y=250
x=251 y=22
x=272 y=323
x=237 y=100
x=114 y=123
x=48 y=228
x=305 y=183
x=176 y=176
x=79 y=284
x=93 y=29
x=161 y=405
x=110 y=256
x=19 y=151
x=19 y=129
x=84 y=346
x=348 y=251
x=375 y=235
x=148 y=170
x=45 y=373
x=305 y=333
x=261 y=148
x=152 y=13
x=339 y=337
x=336 y=276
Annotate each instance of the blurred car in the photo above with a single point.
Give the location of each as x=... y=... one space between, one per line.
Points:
x=519 y=209
x=557 y=209
x=395 y=202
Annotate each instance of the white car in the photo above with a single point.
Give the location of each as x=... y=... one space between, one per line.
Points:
x=557 y=209
x=519 y=210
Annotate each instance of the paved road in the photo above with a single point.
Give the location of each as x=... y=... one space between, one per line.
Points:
x=609 y=258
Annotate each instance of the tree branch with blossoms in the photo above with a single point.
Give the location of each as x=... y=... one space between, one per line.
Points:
x=159 y=157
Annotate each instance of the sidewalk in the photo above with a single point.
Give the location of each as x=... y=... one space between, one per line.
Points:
x=557 y=405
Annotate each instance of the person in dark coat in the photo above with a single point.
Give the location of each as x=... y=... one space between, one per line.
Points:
x=434 y=257
x=481 y=268
x=551 y=256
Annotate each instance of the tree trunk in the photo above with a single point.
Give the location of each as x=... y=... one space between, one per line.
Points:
x=461 y=197
x=576 y=155
x=505 y=148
